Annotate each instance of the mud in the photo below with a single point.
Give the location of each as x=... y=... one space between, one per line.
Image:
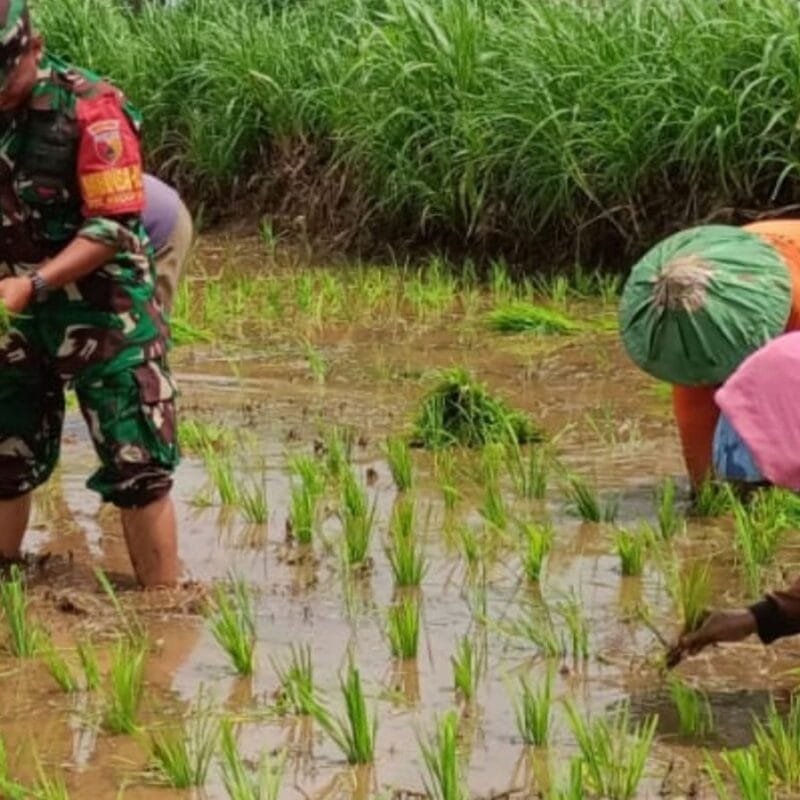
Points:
x=609 y=424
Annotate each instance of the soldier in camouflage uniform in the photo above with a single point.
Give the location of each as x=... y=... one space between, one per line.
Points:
x=77 y=277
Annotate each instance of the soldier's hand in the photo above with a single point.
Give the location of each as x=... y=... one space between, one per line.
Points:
x=720 y=626
x=16 y=293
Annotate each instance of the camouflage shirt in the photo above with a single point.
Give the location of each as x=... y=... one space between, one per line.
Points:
x=69 y=165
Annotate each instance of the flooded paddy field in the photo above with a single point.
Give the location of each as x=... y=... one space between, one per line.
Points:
x=299 y=389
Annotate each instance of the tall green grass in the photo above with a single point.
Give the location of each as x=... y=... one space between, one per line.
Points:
x=483 y=120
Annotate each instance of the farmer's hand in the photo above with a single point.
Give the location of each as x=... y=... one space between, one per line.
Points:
x=720 y=626
x=16 y=293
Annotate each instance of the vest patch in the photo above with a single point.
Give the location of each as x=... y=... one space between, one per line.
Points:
x=107 y=140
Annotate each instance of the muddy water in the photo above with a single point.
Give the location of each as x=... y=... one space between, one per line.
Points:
x=611 y=426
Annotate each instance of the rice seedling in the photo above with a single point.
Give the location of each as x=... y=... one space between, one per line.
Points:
x=5 y=319
x=87 y=655
x=9 y=788
x=317 y=365
x=614 y=750
x=240 y=781
x=59 y=668
x=467 y=669
x=533 y=710
x=494 y=509
x=25 y=636
x=694 y=711
x=130 y=623
x=253 y=503
x=529 y=474
x=222 y=477
x=358 y=519
x=354 y=735
x=47 y=787
x=125 y=684
x=690 y=588
x=407 y=560
x=461 y=411
x=571 y=612
x=632 y=548
x=670 y=522
x=470 y=547
x=712 y=499
x=398 y=454
x=303 y=514
x=197 y=436
x=445 y=780
x=180 y=755
x=575 y=789
x=777 y=742
x=233 y=624
x=536 y=543
x=297 y=692
x=521 y=317
x=539 y=630
x=585 y=502
x=310 y=472
x=338 y=452
x=750 y=774
x=758 y=529
x=402 y=627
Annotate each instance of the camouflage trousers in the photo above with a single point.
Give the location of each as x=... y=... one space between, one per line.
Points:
x=108 y=340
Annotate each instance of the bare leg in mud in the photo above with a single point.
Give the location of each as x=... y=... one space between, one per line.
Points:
x=14 y=516
x=152 y=539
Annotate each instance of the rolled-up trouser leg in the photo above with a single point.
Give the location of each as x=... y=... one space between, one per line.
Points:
x=132 y=422
x=171 y=259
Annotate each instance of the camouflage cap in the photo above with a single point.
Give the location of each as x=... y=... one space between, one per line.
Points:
x=15 y=33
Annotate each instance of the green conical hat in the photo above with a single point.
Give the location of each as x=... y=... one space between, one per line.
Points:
x=697 y=304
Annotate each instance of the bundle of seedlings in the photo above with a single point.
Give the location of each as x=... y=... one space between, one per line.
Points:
x=460 y=411
x=520 y=317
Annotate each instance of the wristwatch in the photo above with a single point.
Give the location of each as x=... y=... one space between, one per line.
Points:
x=41 y=289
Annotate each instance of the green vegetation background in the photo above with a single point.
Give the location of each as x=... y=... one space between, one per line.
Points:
x=497 y=123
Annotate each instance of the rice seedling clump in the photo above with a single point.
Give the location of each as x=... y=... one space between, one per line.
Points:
x=460 y=411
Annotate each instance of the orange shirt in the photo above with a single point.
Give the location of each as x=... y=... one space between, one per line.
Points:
x=696 y=413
